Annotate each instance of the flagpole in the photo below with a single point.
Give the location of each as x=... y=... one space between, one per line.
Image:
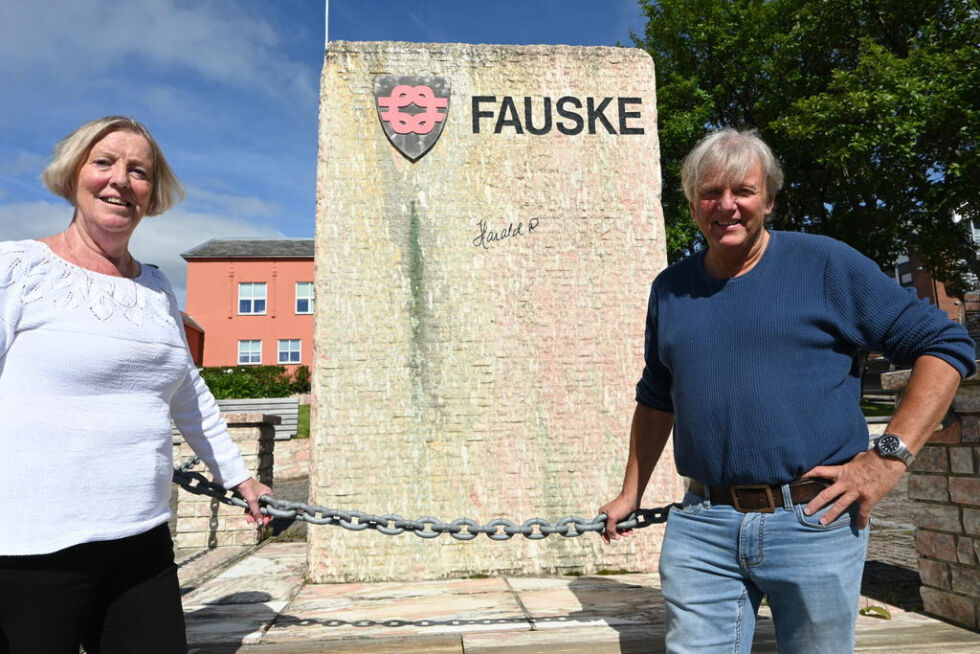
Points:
x=326 y=23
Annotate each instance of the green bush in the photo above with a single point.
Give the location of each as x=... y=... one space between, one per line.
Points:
x=301 y=380
x=244 y=382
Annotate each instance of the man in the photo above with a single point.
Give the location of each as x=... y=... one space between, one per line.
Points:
x=752 y=358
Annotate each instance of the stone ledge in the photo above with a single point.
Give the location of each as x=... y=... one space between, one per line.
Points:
x=897 y=380
x=250 y=418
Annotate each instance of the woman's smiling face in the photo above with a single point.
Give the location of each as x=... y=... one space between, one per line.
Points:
x=115 y=183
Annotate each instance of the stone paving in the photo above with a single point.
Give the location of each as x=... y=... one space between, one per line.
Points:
x=262 y=604
x=256 y=600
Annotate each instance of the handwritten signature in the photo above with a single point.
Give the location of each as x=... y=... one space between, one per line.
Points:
x=487 y=237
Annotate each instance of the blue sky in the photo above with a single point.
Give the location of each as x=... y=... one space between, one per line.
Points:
x=229 y=88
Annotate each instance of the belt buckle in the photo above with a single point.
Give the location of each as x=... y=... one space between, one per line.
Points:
x=770 y=508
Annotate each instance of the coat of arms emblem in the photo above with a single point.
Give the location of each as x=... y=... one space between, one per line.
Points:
x=413 y=111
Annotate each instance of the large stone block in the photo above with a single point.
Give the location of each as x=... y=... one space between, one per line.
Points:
x=932 y=458
x=935 y=574
x=965 y=490
x=950 y=606
x=961 y=460
x=971 y=521
x=935 y=545
x=928 y=487
x=481 y=309
x=942 y=517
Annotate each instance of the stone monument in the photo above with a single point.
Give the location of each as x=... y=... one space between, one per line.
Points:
x=488 y=225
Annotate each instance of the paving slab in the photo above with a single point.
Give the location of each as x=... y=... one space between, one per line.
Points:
x=194 y=566
x=909 y=631
x=387 y=610
x=268 y=574
x=230 y=624
x=238 y=605
x=614 y=600
x=261 y=605
x=413 y=645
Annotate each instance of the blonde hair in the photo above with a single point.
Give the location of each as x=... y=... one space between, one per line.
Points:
x=61 y=174
x=730 y=154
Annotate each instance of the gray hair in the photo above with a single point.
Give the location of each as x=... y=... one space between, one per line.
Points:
x=61 y=174
x=730 y=154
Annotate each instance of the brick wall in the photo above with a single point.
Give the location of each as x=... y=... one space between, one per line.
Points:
x=456 y=377
x=945 y=486
x=203 y=521
x=292 y=459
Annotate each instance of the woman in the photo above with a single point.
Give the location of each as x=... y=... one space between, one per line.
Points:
x=93 y=365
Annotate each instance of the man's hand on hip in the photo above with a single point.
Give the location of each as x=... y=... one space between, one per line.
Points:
x=865 y=479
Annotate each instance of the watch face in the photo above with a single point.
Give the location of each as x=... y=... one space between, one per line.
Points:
x=889 y=444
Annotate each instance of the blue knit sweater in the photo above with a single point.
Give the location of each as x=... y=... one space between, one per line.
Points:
x=761 y=371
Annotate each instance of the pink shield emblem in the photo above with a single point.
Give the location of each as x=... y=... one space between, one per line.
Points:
x=413 y=111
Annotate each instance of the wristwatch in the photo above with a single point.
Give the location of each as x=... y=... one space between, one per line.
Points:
x=891 y=446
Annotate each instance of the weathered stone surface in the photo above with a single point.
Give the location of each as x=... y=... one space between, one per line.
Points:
x=956 y=608
x=966 y=580
x=943 y=517
x=935 y=573
x=961 y=460
x=481 y=378
x=966 y=550
x=968 y=397
x=928 y=487
x=292 y=459
x=971 y=521
x=969 y=424
x=931 y=458
x=951 y=434
x=935 y=545
x=965 y=490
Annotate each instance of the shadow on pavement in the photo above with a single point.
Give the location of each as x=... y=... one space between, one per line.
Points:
x=892 y=584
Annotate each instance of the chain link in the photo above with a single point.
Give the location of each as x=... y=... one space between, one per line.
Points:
x=463 y=529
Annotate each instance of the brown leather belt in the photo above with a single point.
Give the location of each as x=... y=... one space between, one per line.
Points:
x=759 y=498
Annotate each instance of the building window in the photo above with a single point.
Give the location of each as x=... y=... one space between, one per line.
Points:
x=289 y=351
x=249 y=353
x=251 y=298
x=304 y=297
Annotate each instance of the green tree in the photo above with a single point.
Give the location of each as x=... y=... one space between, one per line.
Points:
x=872 y=106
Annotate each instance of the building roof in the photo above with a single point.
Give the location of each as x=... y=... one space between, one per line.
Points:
x=252 y=248
x=190 y=322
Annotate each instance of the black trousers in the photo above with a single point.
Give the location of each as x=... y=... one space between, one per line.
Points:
x=112 y=597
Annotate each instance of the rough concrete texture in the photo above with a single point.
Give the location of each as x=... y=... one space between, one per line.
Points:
x=456 y=380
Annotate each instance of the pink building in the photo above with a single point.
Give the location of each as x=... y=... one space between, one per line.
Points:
x=253 y=298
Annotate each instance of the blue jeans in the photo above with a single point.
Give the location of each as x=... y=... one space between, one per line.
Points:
x=717 y=564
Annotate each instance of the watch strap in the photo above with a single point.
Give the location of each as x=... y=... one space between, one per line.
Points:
x=902 y=452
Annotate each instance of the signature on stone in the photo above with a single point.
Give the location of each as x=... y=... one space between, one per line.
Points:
x=488 y=237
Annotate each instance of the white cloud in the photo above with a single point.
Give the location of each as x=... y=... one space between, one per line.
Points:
x=20 y=220
x=221 y=40
x=158 y=240
x=227 y=203
x=161 y=239
x=23 y=163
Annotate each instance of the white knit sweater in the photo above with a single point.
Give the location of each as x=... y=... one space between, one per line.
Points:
x=92 y=368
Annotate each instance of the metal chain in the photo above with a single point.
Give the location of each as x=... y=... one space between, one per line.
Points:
x=425 y=527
